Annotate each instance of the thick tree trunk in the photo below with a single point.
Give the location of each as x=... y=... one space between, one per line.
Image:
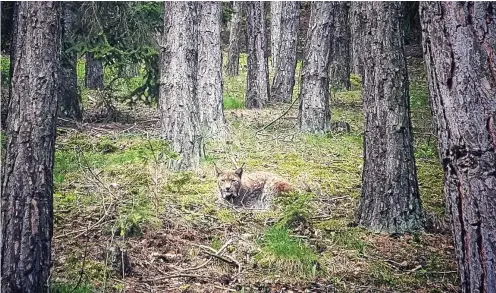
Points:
x=340 y=51
x=356 y=16
x=390 y=200
x=459 y=40
x=27 y=208
x=94 y=73
x=235 y=39
x=257 y=83
x=284 y=78
x=69 y=95
x=314 y=113
x=213 y=123
x=179 y=107
x=275 y=31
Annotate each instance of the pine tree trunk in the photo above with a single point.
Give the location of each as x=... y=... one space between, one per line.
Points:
x=314 y=113
x=284 y=78
x=27 y=171
x=210 y=98
x=69 y=95
x=275 y=31
x=356 y=16
x=257 y=84
x=459 y=41
x=235 y=39
x=390 y=200
x=179 y=107
x=340 y=51
x=94 y=73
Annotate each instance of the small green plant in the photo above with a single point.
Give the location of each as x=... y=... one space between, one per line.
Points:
x=233 y=103
x=281 y=250
x=296 y=209
x=59 y=287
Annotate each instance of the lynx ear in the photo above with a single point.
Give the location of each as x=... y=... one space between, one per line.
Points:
x=217 y=170
x=239 y=171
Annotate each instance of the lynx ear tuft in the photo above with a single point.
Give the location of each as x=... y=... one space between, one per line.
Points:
x=239 y=171
x=217 y=170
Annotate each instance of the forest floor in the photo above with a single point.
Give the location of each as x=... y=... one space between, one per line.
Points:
x=113 y=191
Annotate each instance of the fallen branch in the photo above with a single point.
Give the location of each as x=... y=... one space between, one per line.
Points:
x=216 y=253
x=282 y=115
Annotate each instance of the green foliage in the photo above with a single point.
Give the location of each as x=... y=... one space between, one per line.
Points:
x=135 y=214
x=5 y=67
x=123 y=33
x=58 y=287
x=291 y=255
x=296 y=209
x=233 y=103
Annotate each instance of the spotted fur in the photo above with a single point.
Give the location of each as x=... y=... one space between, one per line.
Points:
x=251 y=191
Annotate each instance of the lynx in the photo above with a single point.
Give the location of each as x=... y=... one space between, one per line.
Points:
x=250 y=191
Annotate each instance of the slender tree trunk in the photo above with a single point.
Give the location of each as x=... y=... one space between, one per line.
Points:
x=234 y=39
x=275 y=31
x=459 y=41
x=390 y=200
x=284 y=78
x=94 y=73
x=356 y=16
x=179 y=106
x=257 y=84
x=210 y=99
x=314 y=113
x=27 y=184
x=69 y=95
x=340 y=51
x=130 y=70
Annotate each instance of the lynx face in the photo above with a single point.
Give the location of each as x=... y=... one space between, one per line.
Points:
x=229 y=183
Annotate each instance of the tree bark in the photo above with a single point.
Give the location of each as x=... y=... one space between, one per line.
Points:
x=284 y=78
x=179 y=107
x=459 y=50
x=257 y=83
x=390 y=200
x=69 y=95
x=210 y=98
x=314 y=113
x=357 y=14
x=235 y=39
x=94 y=73
x=340 y=50
x=27 y=184
x=275 y=31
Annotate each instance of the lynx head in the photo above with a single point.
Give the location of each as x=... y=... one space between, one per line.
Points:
x=229 y=183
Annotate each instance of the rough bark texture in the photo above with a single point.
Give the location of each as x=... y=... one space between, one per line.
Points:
x=69 y=95
x=356 y=16
x=340 y=50
x=179 y=107
x=234 y=39
x=94 y=73
x=314 y=113
x=284 y=78
x=275 y=31
x=459 y=40
x=257 y=83
x=213 y=123
x=27 y=209
x=390 y=200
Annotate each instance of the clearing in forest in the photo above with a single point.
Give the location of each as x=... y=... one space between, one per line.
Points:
x=113 y=192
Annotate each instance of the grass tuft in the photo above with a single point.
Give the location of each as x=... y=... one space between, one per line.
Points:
x=284 y=253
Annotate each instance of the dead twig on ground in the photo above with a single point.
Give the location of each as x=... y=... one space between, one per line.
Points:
x=282 y=115
x=216 y=252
